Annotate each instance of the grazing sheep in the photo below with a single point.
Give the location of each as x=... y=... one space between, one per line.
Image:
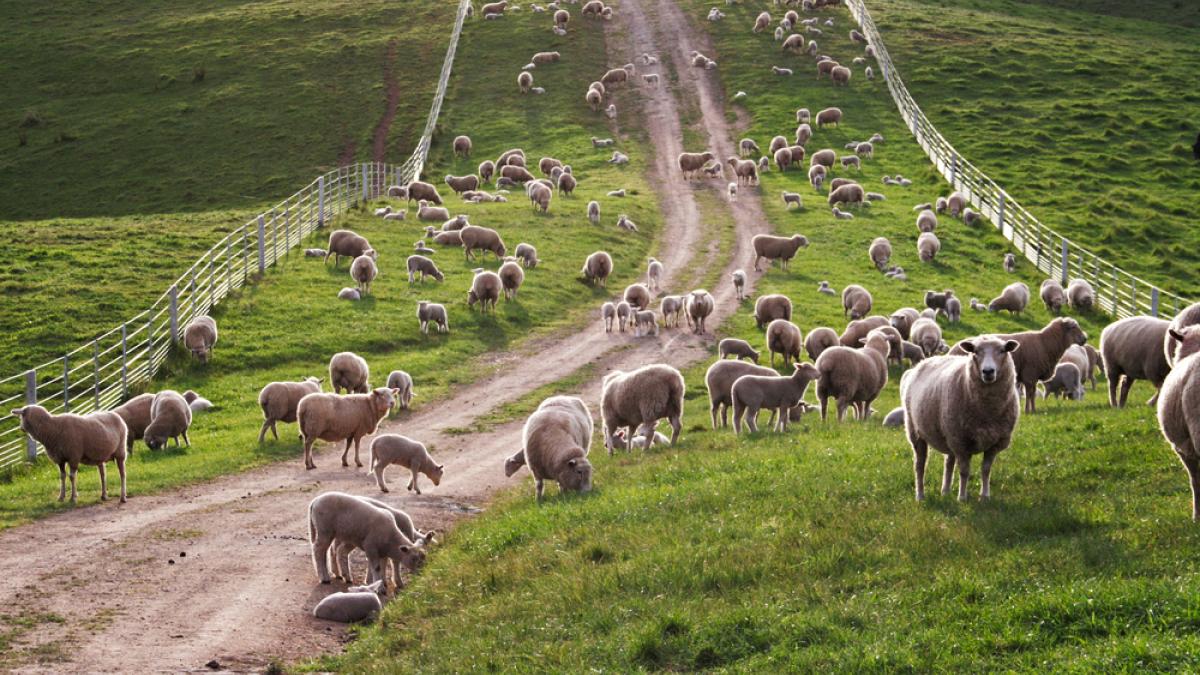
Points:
x=331 y=417
x=351 y=607
x=511 y=276
x=926 y=334
x=816 y=176
x=856 y=301
x=614 y=76
x=700 y=304
x=826 y=158
x=486 y=170
x=1065 y=382
x=804 y=134
x=462 y=146
x=869 y=73
x=784 y=337
x=928 y=246
x=432 y=311
x=825 y=66
x=790 y=198
x=912 y=352
x=461 y=184
x=1080 y=295
x=555 y=444
x=803 y=116
x=761 y=22
x=349 y=371
x=738 y=349
x=853 y=376
x=593 y=212
x=449 y=238
x=851 y=161
x=70 y=439
x=517 y=174
x=638 y=296
x=770 y=307
x=794 y=43
x=781 y=71
x=637 y=400
x=818 y=340
x=493 y=8
x=953 y=310
x=136 y=414
x=279 y=401
x=486 y=288
x=739 y=283
x=858 y=329
x=482 y=239
x=199 y=336
x=1179 y=406
x=692 y=162
x=1189 y=316
x=955 y=203
x=1132 y=349
x=387 y=449
x=420 y=190
x=840 y=75
x=962 y=406
x=770 y=247
x=539 y=196
x=398 y=191
x=829 y=116
x=1010 y=263
x=927 y=221
x=880 y=252
x=526 y=254
x=783 y=159
x=970 y=216
x=747 y=147
x=542 y=58
x=1053 y=296
x=352 y=523
x=594 y=99
x=364 y=271
x=654 y=274
x=170 y=418
x=597 y=267
x=751 y=393
x=608 y=313
x=849 y=194
x=1014 y=299
x=402 y=384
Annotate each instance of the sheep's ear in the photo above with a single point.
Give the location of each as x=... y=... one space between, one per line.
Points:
x=571 y=463
x=17 y=412
x=1011 y=346
x=1174 y=333
x=440 y=466
x=969 y=347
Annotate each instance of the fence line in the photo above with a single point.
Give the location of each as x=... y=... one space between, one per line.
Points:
x=101 y=373
x=1118 y=292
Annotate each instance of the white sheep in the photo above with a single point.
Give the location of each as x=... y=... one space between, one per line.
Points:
x=435 y=312
x=638 y=399
x=751 y=393
x=388 y=449
x=654 y=274
x=350 y=521
x=71 y=439
x=199 y=336
x=555 y=443
x=364 y=271
x=170 y=417
x=739 y=283
x=1179 y=406
x=608 y=313
x=351 y=607
x=402 y=383
x=330 y=417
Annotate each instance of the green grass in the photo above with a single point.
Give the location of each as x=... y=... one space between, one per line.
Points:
x=288 y=325
x=806 y=551
x=1086 y=118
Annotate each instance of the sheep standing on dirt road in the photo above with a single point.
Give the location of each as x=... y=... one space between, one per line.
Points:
x=330 y=417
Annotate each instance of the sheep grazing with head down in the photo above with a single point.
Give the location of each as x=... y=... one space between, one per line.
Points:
x=475 y=238
x=170 y=418
x=690 y=163
x=555 y=444
x=1014 y=299
x=829 y=116
x=1132 y=349
x=768 y=308
x=928 y=246
x=880 y=252
x=432 y=311
x=638 y=296
x=420 y=265
x=761 y=22
x=816 y=176
x=700 y=304
x=486 y=288
x=597 y=267
x=738 y=349
x=199 y=336
x=349 y=371
x=962 y=406
x=1010 y=263
x=363 y=270
x=355 y=523
x=955 y=203
x=388 y=449
x=280 y=400
x=1067 y=381
x=784 y=337
x=638 y=399
x=1053 y=296
x=850 y=194
x=770 y=247
x=1188 y=317
x=751 y=393
x=856 y=301
x=71 y=440
x=853 y=376
x=136 y=413
x=330 y=417
x=1080 y=295
x=1179 y=406
x=420 y=190
x=927 y=221
x=511 y=276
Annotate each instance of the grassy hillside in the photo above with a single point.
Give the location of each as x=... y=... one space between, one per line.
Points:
x=806 y=551
x=1087 y=118
x=291 y=323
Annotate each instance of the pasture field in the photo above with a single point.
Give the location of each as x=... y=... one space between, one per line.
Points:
x=288 y=325
x=806 y=551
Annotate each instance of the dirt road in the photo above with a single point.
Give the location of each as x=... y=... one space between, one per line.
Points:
x=221 y=571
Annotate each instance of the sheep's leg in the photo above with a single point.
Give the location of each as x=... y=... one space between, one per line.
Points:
x=1030 y=396
x=539 y=487
x=1126 y=384
x=824 y=401
x=964 y=476
x=320 y=556
x=341 y=561
x=379 y=468
x=920 y=454
x=712 y=410
x=399 y=578
x=346 y=452
x=103 y=482
x=121 y=471
x=842 y=404
x=752 y=419
x=308 y=460
x=947 y=473
x=676 y=427
x=985 y=474
x=412 y=482
x=187 y=441
x=783 y=418
x=74 y=470
x=357 y=462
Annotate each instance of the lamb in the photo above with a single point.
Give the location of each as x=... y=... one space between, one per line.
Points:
x=364 y=271
x=404 y=523
x=1066 y=382
x=912 y=352
x=761 y=22
x=431 y=213
x=738 y=349
x=352 y=522
x=555 y=443
x=561 y=18
x=671 y=307
x=1179 y=406
x=732 y=191
x=750 y=393
x=526 y=254
x=816 y=176
x=351 y=607
x=745 y=170
x=851 y=161
x=70 y=439
x=485 y=289
x=637 y=295
x=928 y=246
x=597 y=267
x=619 y=158
x=331 y=417
x=784 y=337
x=856 y=301
x=387 y=449
x=638 y=399
x=927 y=221
x=1053 y=296
x=880 y=252
x=461 y=184
x=781 y=71
x=747 y=147
x=829 y=116
x=953 y=310
x=624 y=314
x=279 y=402
x=869 y=72
x=349 y=294
x=1189 y=316
x=840 y=75
x=692 y=162
x=962 y=406
x=608 y=313
x=770 y=247
x=314 y=253
x=1014 y=299
x=482 y=239
x=654 y=274
x=699 y=305
x=770 y=307
x=1010 y=263
x=542 y=58
x=511 y=276
x=493 y=8
x=970 y=216
x=602 y=142
x=170 y=418
x=420 y=190
x=926 y=334
x=818 y=340
x=849 y=194
x=199 y=336
x=739 y=283
x=349 y=371
x=859 y=328
x=1039 y=354
x=644 y=323
x=1080 y=295
x=792 y=198
x=903 y=318
x=955 y=203
x=853 y=376
x=525 y=81
x=432 y=311
x=401 y=383
x=398 y=191
x=719 y=380
x=396 y=215
x=1132 y=349
x=450 y=238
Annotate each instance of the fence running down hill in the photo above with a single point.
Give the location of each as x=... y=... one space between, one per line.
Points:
x=102 y=373
x=1117 y=292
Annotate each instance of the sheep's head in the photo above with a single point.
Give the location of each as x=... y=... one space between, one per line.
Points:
x=435 y=472
x=411 y=557
x=800 y=240
x=1189 y=341
x=29 y=415
x=513 y=464
x=575 y=475
x=990 y=356
x=383 y=399
x=1071 y=331
x=472 y=298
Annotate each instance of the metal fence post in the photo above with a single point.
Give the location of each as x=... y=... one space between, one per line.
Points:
x=364 y=182
x=1154 y=301
x=124 y=361
x=96 y=371
x=954 y=170
x=66 y=384
x=30 y=399
x=262 y=244
x=173 y=308
x=321 y=201
x=1064 y=262
x=1000 y=217
x=287 y=230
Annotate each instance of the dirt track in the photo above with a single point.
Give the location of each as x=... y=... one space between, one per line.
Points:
x=242 y=593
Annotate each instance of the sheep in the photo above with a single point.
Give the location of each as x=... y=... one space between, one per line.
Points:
x=731 y=189
x=383 y=211
x=485 y=289
x=700 y=304
x=1179 y=405
x=654 y=274
x=608 y=313
x=738 y=349
x=940 y=205
x=851 y=161
x=1065 y=382
x=880 y=252
x=525 y=81
x=70 y=439
x=451 y=238
x=818 y=340
x=432 y=311
x=624 y=223
x=170 y=418
x=1014 y=299
x=784 y=337
x=352 y=523
x=387 y=449
x=364 y=271
x=962 y=406
x=838 y=182
x=856 y=301
x=542 y=58
x=350 y=607
x=526 y=254
x=903 y=319
x=770 y=247
x=614 y=76
x=331 y=417
x=928 y=246
x=398 y=191
x=404 y=523
x=461 y=184
x=823 y=287
x=493 y=8
x=1039 y=354
x=349 y=371
x=926 y=334
x=761 y=22
x=592 y=9
x=594 y=99
x=1010 y=263
x=691 y=162
x=482 y=239
x=955 y=203
x=644 y=323
x=840 y=75
x=745 y=170
x=927 y=221
x=511 y=276
x=804 y=134
x=869 y=73
x=803 y=116
x=1053 y=296
x=1080 y=295
x=462 y=146
x=555 y=443
x=781 y=71
x=953 y=310
x=826 y=158
x=617 y=193
x=136 y=414
x=770 y=307
x=486 y=170
x=829 y=116
x=783 y=159
x=402 y=383
x=624 y=315
x=619 y=158
x=816 y=176
x=912 y=352
x=431 y=213
x=637 y=295
x=539 y=196
x=597 y=267
x=279 y=401
x=792 y=198
x=418 y=190
x=349 y=294
x=970 y=216
x=747 y=147
x=853 y=376
x=651 y=79
x=739 y=283
x=396 y=215
x=638 y=399
x=857 y=329
x=671 y=307
x=1189 y=316
x=849 y=194
x=314 y=253
x=456 y=223
x=1132 y=349
x=1086 y=358
x=719 y=380
x=794 y=43
x=517 y=174
x=199 y=336
x=602 y=142
x=750 y=393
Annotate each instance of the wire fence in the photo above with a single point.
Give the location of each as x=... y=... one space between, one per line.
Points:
x=102 y=373
x=1118 y=292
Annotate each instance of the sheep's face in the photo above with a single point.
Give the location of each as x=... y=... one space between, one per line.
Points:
x=576 y=475
x=435 y=474
x=154 y=441
x=512 y=465
x=1073 y=332
x=411 y=557
x=201 y=353
x=990 y=356
x=27 y=414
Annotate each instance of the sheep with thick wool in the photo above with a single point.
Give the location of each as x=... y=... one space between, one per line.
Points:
x=1132 y=349
x=770 y=247
x=350 y=521
x=280 y=400
x=1179 y=406
x=555 y=443
x=71 y=440
x=853 y=377
x=349 y=418
x=638 y=399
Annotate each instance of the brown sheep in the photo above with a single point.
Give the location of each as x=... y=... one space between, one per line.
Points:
x=770 y=247
x=481 y=238
x=1132 y=349
x=856 y=301
x=418 y=190
x=767 y=308
x=853 y=376
x=784 y=337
